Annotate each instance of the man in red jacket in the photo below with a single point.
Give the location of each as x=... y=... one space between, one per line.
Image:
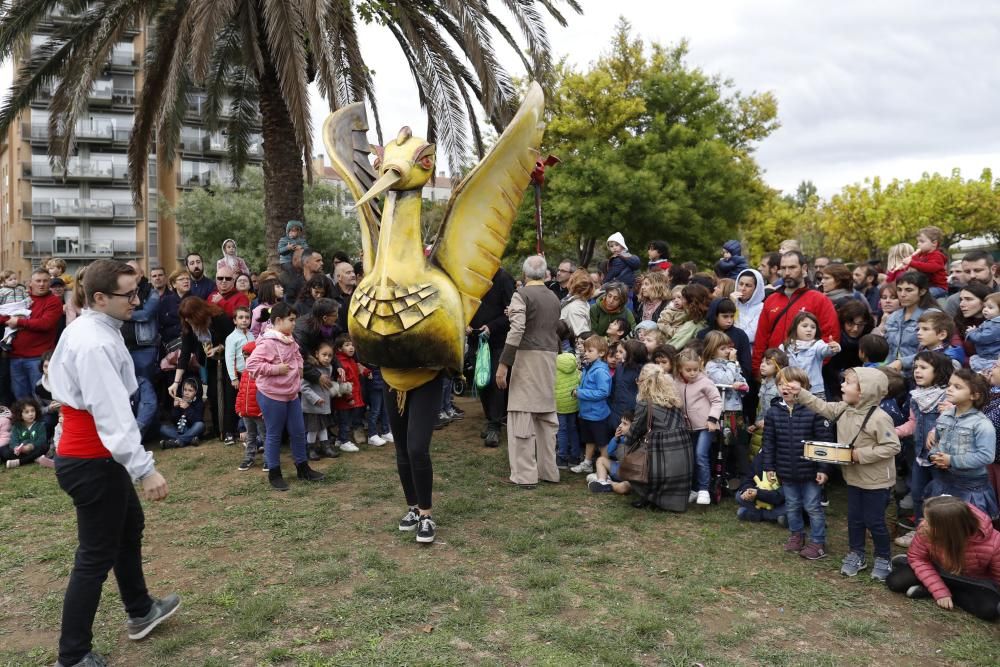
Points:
x=36 y=335
x=781 y=307
x=225 y=295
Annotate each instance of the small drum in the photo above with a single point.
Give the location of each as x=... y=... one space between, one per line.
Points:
x=827 y=452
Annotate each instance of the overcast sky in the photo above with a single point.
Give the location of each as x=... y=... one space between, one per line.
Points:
x=864 y=88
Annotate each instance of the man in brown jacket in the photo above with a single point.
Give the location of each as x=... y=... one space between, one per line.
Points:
x=530 y=355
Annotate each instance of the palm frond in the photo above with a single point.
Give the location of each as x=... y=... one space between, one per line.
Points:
x=285 y=33
x=19 y=21
x=471 y=34
x=225 y=58
x=532 y=27
x=246 y=18
x=243 y=118
x=208 y=18
x=315 y=12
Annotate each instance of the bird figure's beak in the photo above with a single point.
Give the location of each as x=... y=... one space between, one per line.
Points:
x=391 y=176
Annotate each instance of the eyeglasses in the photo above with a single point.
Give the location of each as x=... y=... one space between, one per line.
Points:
x=130 y=296
x=225 y=279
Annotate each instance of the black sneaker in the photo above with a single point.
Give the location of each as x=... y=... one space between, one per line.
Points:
x=161 y=610
x=907 y=522
x=442 y=420
x=229 y=439
x=492 y=438
x=410 y=520
x=304 y=472
x=456 y=413
x=823 y=500
x=276 y=479
x=169 y=444
x=264 y=467
x=425 y=529
x=90 y=660
x=247 y=462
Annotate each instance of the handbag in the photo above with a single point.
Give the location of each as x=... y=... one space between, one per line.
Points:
x=634 y=466
x=482 y=374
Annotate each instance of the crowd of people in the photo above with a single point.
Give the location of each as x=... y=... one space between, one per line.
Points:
x=718 y=376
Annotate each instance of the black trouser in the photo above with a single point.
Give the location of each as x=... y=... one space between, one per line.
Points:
x=6 y=394
x=224 y=412
x=412 y=432
x=492 y=398
x=7 y=454
x=109 y=528
x=979 y=597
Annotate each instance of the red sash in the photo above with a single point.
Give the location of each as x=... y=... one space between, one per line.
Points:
x=79 y=436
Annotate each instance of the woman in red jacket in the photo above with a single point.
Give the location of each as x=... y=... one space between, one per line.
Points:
x=955 y=558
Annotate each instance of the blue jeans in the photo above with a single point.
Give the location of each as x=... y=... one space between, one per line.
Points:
x=805 y=495
x=866 y=511
x=278 y=417
x=568 y=439
x=447 y=397
x=920 y=477
x=24 y=375
x=702 y=441
x=378 y=415
x=345 y=420
x=144 y=360
x=170 y=432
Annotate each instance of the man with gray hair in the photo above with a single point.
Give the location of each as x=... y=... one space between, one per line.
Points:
x=529 y=355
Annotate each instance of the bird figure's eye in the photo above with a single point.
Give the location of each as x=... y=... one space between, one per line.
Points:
x=427 y=162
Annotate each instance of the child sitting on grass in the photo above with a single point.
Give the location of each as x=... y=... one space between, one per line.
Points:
x=760 y=498
x=872 y=474
x=27 y=437
x=787 y=425
x=606 y=478
x=186 y=418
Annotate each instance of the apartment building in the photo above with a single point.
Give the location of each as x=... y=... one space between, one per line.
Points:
x=85 y=211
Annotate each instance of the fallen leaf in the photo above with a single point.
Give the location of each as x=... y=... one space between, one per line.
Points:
x=427 y=629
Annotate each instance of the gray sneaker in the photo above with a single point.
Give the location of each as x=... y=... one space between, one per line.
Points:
x=162 y=609
x=852 y=564
x=881 y=569
x=90 y=660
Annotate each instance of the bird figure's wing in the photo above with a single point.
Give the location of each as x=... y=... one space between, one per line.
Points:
x=345 y=134
x=482 y=208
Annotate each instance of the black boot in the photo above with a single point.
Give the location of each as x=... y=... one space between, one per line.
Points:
x=313 y=453
x=305 y=472
x=492 y=437
x=278 y=482
x=328 y=450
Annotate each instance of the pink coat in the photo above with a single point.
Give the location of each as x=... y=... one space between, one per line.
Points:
x=699 y=401
x=274 y=349
x=982 y=558
x=5 y=426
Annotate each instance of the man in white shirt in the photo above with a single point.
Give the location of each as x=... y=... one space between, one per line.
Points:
x=100 y=456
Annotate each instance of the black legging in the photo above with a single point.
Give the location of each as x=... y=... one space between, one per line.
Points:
x=412 y=432
x=979 y=597
x=492 y=398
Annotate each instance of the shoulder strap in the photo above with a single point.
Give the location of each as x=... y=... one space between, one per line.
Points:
x=791 y=302
x=864 y=423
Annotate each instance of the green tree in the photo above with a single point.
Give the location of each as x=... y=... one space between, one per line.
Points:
x=207 y=218
x=259 y=56
x=651 y=147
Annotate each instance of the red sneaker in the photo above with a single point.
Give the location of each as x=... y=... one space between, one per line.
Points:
x=813 y=551
x=795 y=543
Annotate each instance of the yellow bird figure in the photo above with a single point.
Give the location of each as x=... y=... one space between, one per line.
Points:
x=409 y=312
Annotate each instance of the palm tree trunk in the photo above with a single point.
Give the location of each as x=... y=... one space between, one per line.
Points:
x=283 y=176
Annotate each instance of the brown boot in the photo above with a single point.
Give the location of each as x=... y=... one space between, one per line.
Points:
x=795 y=543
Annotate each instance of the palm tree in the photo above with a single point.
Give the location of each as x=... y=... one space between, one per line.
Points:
x=260 y=56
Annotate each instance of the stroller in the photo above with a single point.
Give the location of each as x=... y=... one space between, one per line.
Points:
x=727 y=448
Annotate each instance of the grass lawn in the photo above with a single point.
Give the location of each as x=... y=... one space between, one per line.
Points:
x=556 y=576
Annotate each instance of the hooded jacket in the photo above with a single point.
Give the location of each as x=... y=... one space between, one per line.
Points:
x=273 y=349
x=748 y=314
x=284 y=252
x=969 y=439
x=621 y=268
x=785 y=429
x=736 y=264
x=352 y=374
x=567 y=379
x=624 y=389
x=195 y=411
x=315 y=399
x=234 y=262
x=600 y=319
x=593 y=392
x=877 y=444
x=982 y=557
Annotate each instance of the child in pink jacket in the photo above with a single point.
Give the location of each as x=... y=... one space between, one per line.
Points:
x=702 y=406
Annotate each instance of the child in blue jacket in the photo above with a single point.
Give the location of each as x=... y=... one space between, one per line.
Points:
x=592 y=397
x=621 y=265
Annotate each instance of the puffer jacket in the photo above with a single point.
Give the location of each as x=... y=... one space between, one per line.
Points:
x=567 y=379
x=785 y=428
x=593 y=392
x=274 y=349
x=732 y=267
x=877 y=444
x=246 y=398
x=352 y=374
x=982 y=557
x=969 y=439
x=624 y=388
x=622 y=268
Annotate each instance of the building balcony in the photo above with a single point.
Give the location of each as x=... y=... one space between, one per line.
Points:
x=123 y=97
x=72 y=208
x=123 y=61
x=214 y=144
x=89 y=132
x=77 y=169
x=82 y=248
x=203 y=179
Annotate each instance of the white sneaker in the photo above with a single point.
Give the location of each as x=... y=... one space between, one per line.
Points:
x=591 y=477
x=693 y=496
x=582 y=466
x=388 y=437
x=376 y=441
x=905 y=540
x=348 y=446
x=703 y=498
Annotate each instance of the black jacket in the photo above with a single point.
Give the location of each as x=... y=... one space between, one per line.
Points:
x=744 y=350
x=491 y=311
x=784 y=432
x=776 y=497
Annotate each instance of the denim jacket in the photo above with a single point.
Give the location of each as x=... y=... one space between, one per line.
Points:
x=969 y=439
x=902 y=334
x=986 y=338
